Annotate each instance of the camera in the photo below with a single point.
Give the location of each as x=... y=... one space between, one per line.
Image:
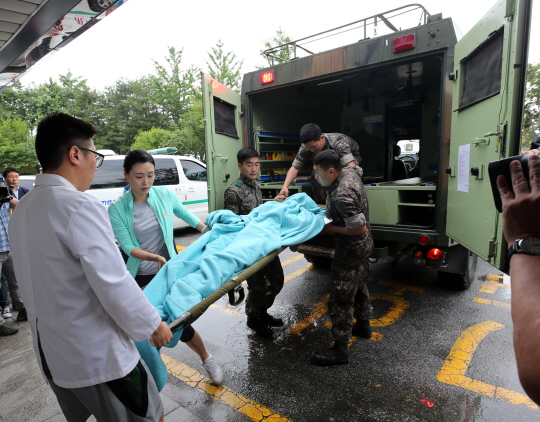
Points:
x=502 y=167
x=4 y=195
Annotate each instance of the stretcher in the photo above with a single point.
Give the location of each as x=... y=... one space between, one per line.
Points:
x=233 y=288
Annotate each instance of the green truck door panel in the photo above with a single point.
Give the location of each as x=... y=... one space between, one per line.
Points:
x=223 y=135
x=487 y=109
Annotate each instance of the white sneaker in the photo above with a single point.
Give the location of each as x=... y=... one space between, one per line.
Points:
x=213 y=369
x=6 y=312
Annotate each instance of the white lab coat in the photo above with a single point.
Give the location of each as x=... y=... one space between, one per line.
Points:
x=75 y=285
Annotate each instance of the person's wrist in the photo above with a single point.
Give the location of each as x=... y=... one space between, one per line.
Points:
x=511 y=239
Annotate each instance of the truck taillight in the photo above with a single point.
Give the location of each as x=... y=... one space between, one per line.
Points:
x=435 y=254
x=404 y=43
x=267 y=77
x=423 y=240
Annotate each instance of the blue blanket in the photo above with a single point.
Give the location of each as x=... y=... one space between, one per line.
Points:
x=234 y=243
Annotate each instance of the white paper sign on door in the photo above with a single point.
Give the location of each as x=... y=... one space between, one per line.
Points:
x=463 y=168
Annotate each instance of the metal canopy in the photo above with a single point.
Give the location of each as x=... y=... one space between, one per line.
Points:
x=30 y=29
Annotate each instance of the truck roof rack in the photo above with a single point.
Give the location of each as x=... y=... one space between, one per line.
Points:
x=291 y=48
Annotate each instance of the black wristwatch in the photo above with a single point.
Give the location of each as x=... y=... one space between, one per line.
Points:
x=529 y=246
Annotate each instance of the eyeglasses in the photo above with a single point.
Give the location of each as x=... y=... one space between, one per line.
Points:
x=99 y=157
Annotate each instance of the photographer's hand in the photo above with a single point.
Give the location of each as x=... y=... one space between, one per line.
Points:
x=521 y=208
x=520 y=220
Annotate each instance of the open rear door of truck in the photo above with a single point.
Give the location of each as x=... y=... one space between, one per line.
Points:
x=223 y=134
x=489 y=82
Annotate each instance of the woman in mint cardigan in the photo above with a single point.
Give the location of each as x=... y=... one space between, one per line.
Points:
x=142 y=221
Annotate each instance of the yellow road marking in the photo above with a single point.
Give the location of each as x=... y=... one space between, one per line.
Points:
x=456 y=364
x=374 y=336
x=229 y=310
x=293 y=259
x=492 y=283
x=399 y=289
x=242 y=404
x=393 y=314
x=494 y=278
x=180 y=248
x=299 y=272
x=492 y=302
x=233 y=312
x=320 y=309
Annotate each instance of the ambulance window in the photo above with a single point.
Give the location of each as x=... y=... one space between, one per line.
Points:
x=166 y=172
x=194 y=171
x=482 y=70
x=224 y=118
x=109 y=175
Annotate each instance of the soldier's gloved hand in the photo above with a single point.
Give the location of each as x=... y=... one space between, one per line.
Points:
x=283 y=193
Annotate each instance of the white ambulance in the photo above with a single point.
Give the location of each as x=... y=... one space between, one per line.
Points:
x=186 y=176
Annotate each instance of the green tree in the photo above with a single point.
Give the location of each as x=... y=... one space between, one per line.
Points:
x=126 y=109
x=173 y=89
x=14 y=103
x=17 y=146
x=30 y=104
x=224 y=67
x=150 y=139
x=281 y=55
x=531 y=110
x=187 y=137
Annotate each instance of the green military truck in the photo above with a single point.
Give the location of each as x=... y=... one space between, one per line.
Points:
x=458 y=102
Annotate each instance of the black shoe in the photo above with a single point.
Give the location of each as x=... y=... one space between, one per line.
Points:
x=22 y=316
x=260 y=327
x=330 y=357
x=270 y=320
x=7 y=331
x=362 y=329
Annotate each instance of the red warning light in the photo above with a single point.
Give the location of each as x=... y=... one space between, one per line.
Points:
x=267 y=77
x=423 y=240
x=436 y=254
x=418 y=255
x=404 y=43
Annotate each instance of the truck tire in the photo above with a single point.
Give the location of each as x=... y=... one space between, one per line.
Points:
x=99 y=6
x=461 y=281
x=319 y=261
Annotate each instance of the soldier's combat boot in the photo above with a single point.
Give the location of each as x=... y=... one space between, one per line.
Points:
x=270 y=320
x=260 y=327
x=362 y=328
x=336 y=355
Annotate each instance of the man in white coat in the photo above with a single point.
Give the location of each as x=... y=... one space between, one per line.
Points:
x=84 y=308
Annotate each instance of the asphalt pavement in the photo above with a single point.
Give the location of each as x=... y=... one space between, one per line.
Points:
x=436 y=355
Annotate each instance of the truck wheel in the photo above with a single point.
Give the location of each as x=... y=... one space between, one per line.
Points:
x=461 y=281
x=99 y=6
x=319 y=261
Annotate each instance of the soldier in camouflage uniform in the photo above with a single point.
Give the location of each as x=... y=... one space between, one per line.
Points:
x=313 y=142
x=347 y=206
x=241 y=197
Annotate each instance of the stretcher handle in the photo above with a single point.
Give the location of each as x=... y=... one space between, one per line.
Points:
x=196 y=311
x=232 y=295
